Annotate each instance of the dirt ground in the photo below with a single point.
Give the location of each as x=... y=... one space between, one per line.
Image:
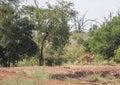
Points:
x=61 y=73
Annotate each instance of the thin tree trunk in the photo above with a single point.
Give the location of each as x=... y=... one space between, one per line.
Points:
x=9 y=62
x=5 y=60
x=41 y=57
x=41 y=60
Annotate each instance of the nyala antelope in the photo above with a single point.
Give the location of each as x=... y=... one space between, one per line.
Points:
x=87 y=58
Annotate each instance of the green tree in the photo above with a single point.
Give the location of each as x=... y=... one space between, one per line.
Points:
x=15 y=35
x=52 y=25
x=106 y=39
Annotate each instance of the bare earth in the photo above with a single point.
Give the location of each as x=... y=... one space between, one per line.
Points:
x=61 y=73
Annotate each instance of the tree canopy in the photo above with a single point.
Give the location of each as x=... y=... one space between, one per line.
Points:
x=107 y=38
x=15 y=35
x=18 y=25
x=52 y=24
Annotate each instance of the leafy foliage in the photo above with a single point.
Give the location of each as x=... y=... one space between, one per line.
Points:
x=106 y=38
x=15 y=36
x=116 y=57
x=52 y=25
x=55 y=21
x=73 y=53
x=25 y=31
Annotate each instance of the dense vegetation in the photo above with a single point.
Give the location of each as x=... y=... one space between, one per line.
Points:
x=30 y=35
x=107 y=38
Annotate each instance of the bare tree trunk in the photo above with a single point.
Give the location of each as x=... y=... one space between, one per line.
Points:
x=41 y=57
x=41 y=60
x=9 y=62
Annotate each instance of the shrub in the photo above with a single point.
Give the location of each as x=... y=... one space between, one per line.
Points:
x=116 y=57
x=40 y=74
x=32 y=61
x=72 y=53
x=98 y=59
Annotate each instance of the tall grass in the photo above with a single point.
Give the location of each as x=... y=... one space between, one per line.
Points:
x=40 y=74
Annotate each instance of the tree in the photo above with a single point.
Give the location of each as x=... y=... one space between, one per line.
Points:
x=15 y=35
x=106 y=39
x=52 y=25
x=81 y=22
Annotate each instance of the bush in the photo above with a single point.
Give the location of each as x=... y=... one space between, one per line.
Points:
x=32 y=61
x=53 y=57
x=73 y=53
x=98 y=59
x=116 y=57
x=40 y=74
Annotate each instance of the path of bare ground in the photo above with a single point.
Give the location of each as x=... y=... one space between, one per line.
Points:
x=63 y=72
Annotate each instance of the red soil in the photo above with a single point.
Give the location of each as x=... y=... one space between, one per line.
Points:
x=60 y=73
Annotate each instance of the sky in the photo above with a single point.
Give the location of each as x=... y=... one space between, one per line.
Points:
x=96 y=9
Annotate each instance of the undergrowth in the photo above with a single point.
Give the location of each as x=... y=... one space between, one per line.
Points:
x=20 y=78
x=40 y=74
